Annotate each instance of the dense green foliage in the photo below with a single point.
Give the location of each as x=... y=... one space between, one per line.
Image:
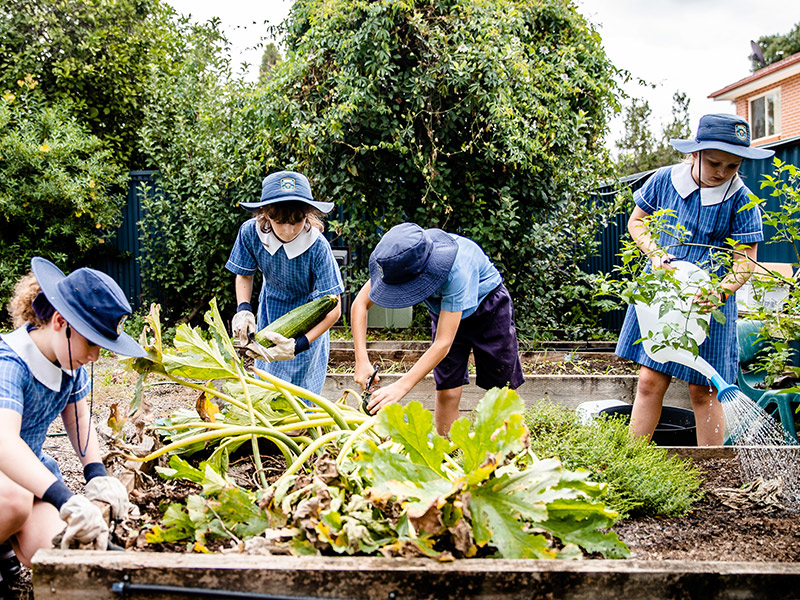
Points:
x=777 y=47
x=641 y=477
x=58 y=185
x=199 y=130
x=482 y=118
x=93 y=55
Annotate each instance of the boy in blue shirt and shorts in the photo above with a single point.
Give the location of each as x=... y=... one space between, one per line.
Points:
x=470 y=309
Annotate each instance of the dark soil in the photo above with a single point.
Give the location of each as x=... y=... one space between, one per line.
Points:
x=713 y=531
x=710 y=532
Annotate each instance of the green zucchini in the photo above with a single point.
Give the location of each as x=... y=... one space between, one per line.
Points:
x=300 y=320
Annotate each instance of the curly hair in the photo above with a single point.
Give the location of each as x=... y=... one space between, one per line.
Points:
x=20 y=307
x=291 y=212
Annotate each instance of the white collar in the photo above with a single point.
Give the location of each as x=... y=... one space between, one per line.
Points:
x=684 y=184
x=47 y=373
x=293 y=249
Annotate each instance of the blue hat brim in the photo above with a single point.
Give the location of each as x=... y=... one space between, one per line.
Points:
x=417 y=289
x=689 y=146
x=48 y=276
x=324 y=207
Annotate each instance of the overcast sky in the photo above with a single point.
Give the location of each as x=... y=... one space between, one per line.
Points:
x=692 y=46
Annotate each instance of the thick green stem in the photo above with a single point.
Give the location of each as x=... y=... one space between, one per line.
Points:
x=310 y=449
x=328 y=406
x=210 y=390
x=360 y=430
x=268 y=433
x=254 y=439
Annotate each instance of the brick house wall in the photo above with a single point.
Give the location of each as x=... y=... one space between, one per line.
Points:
x=783 y=75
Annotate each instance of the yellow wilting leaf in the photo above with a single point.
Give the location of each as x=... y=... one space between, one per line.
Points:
x=198 y=547
x=44 y=148
x=207 y=410
x=114 y=421
x=9 y=97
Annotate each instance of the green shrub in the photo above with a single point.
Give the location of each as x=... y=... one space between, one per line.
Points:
x=642 y=478
x=482 y=118
x=59 y=188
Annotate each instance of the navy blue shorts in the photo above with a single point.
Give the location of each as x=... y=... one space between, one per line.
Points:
x=491 y=335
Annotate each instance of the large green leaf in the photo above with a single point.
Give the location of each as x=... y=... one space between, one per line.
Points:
x=413 y=429
x=493 y=522
x=498 y=430
x=197 y=358
x=385 y=464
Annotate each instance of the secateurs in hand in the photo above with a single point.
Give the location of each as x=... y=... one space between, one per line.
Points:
x=367 y=394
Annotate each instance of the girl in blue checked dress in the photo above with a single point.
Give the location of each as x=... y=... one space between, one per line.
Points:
x=707 y=196
x=284 y=241
x=62 y=322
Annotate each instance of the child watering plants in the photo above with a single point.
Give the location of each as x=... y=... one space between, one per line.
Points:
x=284 y=241
x=62 y=322
x=706 y=197
x=470 y=309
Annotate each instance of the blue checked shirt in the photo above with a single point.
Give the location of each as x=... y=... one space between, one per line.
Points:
x=472 y=277
x=289 y=283
x=35 y=388
x=709 y=221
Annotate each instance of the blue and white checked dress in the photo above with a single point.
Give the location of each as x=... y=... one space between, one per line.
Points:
x=289 y=283
x=37 y=389
x=710 y=222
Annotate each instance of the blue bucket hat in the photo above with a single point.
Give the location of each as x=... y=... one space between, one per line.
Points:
x=729 y=133
x=409 y=264
x=284 y=186
x=91 y=302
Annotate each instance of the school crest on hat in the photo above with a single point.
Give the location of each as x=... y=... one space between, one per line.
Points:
x=287 y=184
x=741 y=131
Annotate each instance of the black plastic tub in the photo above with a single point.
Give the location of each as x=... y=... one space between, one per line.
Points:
x=676 y=427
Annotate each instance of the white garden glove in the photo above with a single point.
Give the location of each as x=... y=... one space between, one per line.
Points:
x=242 y=325
x=111 y=491
x=282 y=350
x=85 y=523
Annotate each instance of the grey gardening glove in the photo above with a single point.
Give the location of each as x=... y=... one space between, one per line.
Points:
x=111 y=491
x=282 y=350
x=85 y=523
x=242 y=325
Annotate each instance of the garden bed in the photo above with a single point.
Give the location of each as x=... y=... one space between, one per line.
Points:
x=712 y=532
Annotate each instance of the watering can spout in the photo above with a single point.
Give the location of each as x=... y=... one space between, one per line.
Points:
x=725 y=391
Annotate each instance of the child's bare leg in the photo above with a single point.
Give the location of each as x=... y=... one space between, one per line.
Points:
x=649 y=398
x=708 y=415
x=446 y=411
x=38 y=532
x=15 y=507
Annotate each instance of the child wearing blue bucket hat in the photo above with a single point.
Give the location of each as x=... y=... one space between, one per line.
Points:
x=470 y=309
x=708 y=200
x=62 y=322
x=284 y=241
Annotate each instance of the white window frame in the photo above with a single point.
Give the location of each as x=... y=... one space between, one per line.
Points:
x=776 y=93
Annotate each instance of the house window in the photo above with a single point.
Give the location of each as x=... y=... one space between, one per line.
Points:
x=765 y=115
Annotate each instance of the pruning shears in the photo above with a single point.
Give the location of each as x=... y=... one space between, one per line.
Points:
x=366 y=394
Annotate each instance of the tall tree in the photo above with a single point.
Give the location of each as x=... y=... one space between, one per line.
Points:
x=777 y=47
x=269 y=60
x=637 y=148
x=640 y=150
x=94 y=56
x=484 y=118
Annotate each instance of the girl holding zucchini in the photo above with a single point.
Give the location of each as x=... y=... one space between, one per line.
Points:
x=284 y=241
